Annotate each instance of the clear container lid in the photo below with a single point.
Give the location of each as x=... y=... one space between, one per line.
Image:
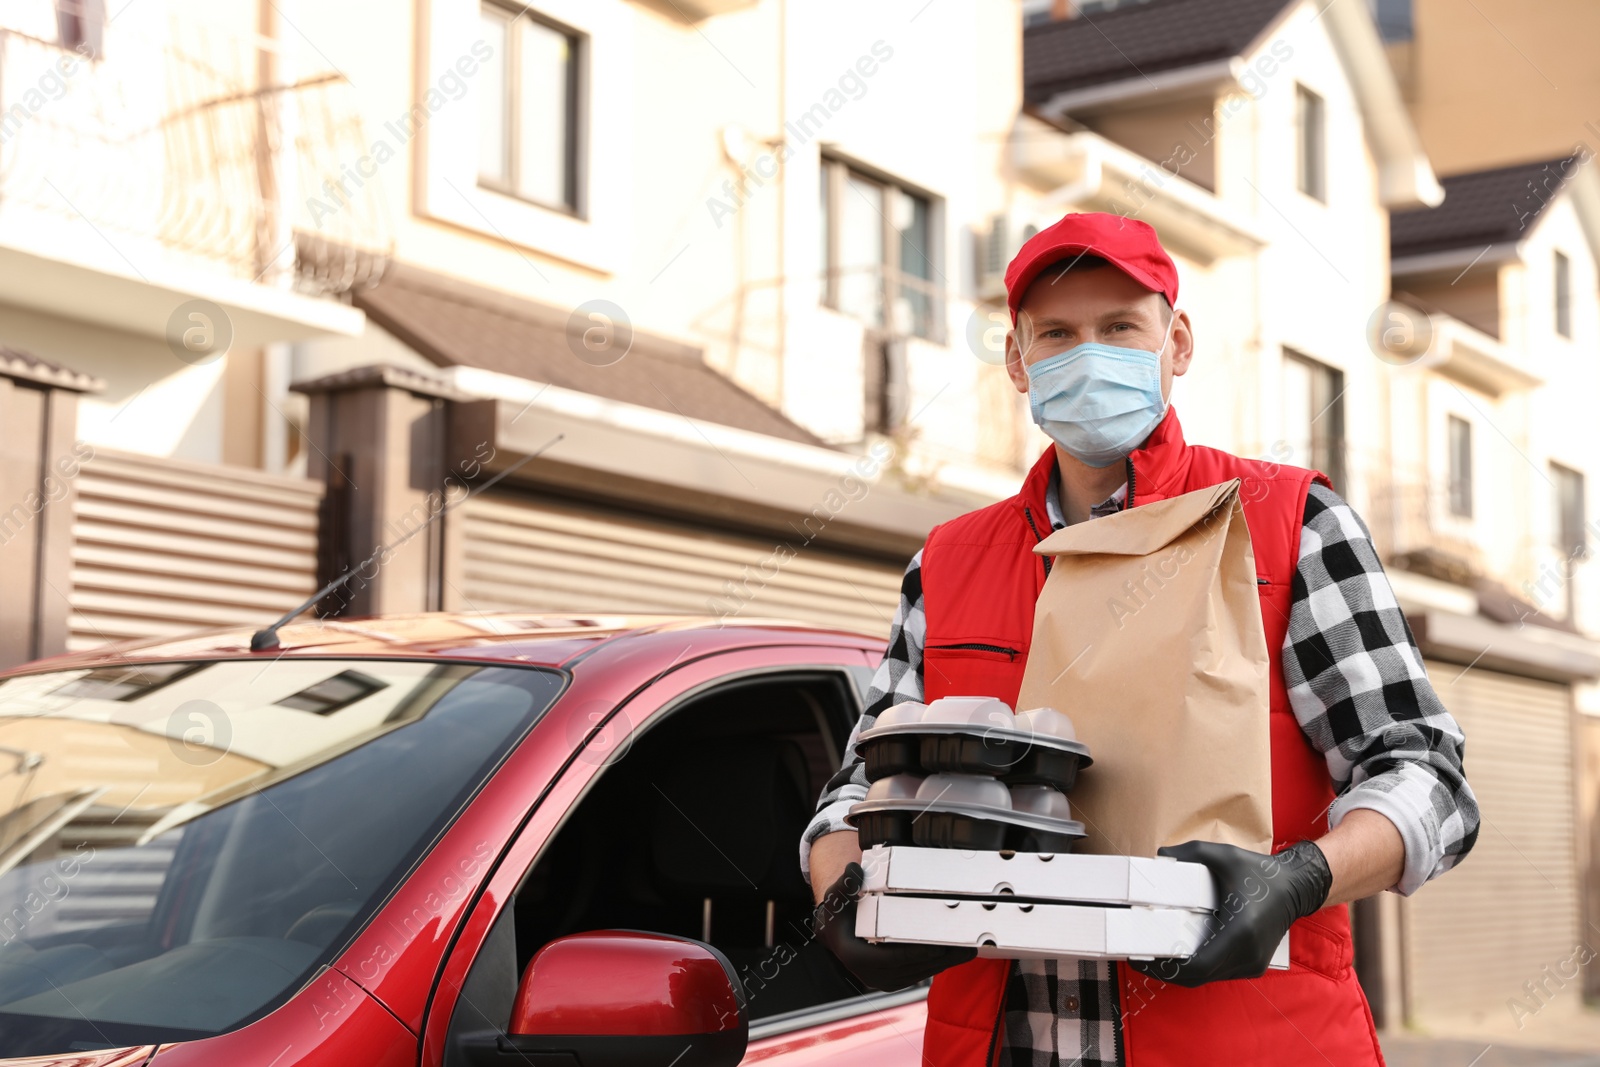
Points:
x=974 y=711
x=900 y=715
x=895 y=787
x=1047 y=722
x=980 y=789
x=1043 y=800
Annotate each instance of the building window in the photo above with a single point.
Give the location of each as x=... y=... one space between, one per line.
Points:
x=124 y=683
x=529 y=125
x=1313 y=412
x=1460 y=445
x=1037 y=12
x=1563 y=295
x=1393 y=18
x=1571 y=533
x=80 y=25
x=332 y=694
x=1311 y=144
x=878 y=253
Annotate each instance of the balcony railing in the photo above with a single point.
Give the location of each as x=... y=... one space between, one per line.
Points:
x=193 y=147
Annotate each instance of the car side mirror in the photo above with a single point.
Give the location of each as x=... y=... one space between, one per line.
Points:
x=620 y=998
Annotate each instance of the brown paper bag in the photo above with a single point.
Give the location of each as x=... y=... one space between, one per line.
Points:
x=1148 y=634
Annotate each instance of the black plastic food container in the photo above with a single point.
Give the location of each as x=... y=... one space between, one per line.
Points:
x=1045 y=766
x=1024 y=839
x=966 y=754
x=948 y=829
x=1035 y=747
x=886 y=828
x=890 y=755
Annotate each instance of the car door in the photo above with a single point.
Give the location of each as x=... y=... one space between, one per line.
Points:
x=747 y=708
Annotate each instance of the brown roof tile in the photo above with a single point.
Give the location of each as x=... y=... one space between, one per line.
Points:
x=1137 y=40
x=1482 y=207
x=455 y=323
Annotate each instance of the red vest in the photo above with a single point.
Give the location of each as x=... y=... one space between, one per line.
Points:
x=980 y=579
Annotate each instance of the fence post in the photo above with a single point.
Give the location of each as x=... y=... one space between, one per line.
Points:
x=378 y=438
x=39 y=462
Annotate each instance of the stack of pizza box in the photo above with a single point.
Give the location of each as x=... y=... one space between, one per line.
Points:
x=968 y=840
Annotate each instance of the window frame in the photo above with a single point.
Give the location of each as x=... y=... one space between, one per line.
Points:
x=445 y=187
x=1334 y=440
x=574 y=174
x=1459 y=496
x=81 y=26
x=1311 y=143
x=1562 y=285
x=1573 y=548
x=834 y=171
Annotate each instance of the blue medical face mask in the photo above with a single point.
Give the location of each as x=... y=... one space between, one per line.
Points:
x=1098 y=401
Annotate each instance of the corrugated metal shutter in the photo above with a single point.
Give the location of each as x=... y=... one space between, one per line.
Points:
x=162 y=546
x=523 y=553
x=1511 y=909
x=1589 y=835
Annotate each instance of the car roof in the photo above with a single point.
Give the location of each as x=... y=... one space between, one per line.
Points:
x=524 y=637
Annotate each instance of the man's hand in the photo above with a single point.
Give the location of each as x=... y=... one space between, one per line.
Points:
x=886 y=967
x=830 y=854
x=1258 y=897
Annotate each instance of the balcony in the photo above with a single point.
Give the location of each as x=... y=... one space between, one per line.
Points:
x=1471 y=357
x=182 y=162
x=1084 y=171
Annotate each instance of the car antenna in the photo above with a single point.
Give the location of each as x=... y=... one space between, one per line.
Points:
x=266 y=638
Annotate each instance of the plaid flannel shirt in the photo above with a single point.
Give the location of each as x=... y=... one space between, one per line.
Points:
x=1357 y=687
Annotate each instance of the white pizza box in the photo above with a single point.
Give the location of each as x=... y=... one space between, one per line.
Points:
x=1019 y=930
x=1129 y=880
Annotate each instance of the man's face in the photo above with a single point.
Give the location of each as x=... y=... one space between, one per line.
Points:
x=1062 y=311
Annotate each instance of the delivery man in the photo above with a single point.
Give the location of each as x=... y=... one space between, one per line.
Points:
x=1368 y=794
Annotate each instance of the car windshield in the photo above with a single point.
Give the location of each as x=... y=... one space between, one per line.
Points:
x=183 y=844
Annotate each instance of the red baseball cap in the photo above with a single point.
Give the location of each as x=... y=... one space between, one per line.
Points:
x=1128 y=244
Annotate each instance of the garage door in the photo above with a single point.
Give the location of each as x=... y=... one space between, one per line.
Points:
x=524 y=553
x=163 y=546
x=1511 y=909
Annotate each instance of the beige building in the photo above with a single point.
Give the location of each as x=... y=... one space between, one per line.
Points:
x=1492 y=459
x=1495 y=81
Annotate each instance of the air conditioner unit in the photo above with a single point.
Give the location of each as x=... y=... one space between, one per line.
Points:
x=1006 y=234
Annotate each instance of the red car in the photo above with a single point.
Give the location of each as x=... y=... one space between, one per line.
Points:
x=435 y=840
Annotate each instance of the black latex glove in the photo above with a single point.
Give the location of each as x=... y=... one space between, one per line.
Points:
x=1258 y=897
x=884 y=966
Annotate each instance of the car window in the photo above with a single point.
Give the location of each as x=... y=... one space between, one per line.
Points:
x=183 y=844
x=693 y=831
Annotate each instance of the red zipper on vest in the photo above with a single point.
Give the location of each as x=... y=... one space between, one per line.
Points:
x=1129 y=502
